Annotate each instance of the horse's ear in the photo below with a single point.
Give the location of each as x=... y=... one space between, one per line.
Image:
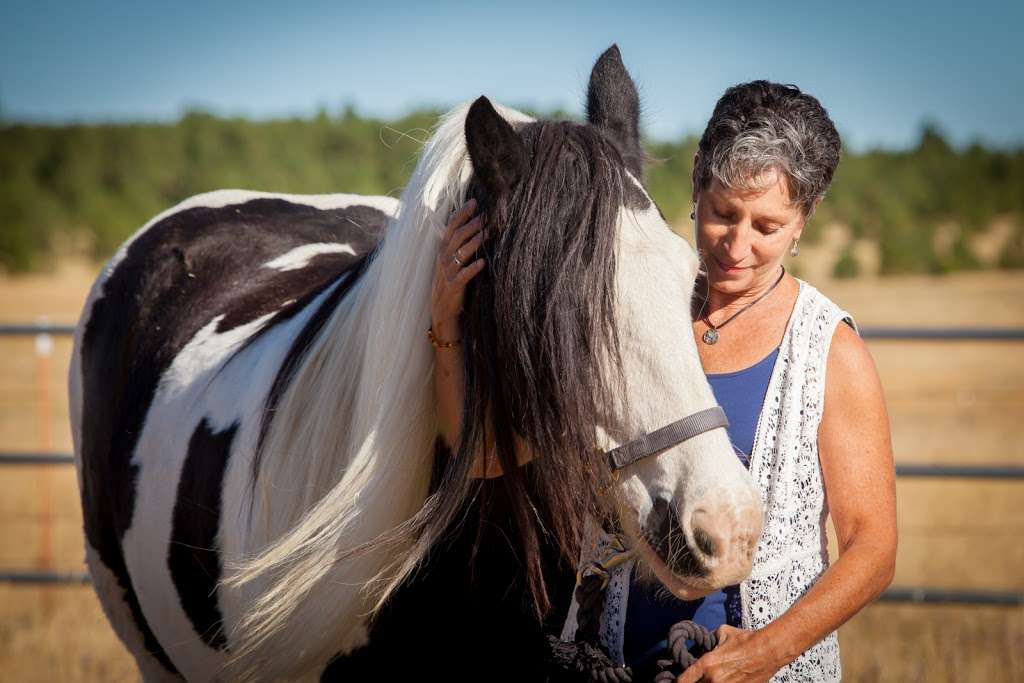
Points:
x=613 y=105
x=498 y=154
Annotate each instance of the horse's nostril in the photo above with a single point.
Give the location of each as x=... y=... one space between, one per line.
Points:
x=665 y=535
x=705 y=543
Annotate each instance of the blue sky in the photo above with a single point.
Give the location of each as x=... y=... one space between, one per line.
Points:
x=881 y=68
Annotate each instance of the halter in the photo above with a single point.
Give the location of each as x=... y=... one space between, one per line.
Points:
x=669 y=435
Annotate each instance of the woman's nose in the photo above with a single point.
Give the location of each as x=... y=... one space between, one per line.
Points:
x=738 y=244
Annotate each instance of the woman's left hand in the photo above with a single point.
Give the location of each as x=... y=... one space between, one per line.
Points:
x=741 y=655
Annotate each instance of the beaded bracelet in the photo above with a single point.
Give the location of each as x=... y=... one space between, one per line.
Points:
x=437 y=343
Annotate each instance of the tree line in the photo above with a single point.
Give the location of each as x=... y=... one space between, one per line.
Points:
x=83 y=188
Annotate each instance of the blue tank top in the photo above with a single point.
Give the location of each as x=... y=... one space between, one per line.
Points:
x=649 y=612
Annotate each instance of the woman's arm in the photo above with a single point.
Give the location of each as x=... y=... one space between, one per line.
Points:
x=855 y=451
x=455 y=268
x=461 y=239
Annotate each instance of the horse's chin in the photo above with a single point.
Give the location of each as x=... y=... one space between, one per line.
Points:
x=683 y=587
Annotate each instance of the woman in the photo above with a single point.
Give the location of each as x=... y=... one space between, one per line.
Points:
x=805 y=405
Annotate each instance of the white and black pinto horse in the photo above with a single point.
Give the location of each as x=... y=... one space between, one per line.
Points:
x=263 y=490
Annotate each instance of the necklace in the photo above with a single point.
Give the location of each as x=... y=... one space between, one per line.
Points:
x=711 y=335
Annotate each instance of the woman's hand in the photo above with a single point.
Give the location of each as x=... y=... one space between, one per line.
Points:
x=741 y=656
x=455 y=268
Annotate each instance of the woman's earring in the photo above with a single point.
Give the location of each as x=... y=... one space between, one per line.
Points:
x=795 y=250
x=692 y=215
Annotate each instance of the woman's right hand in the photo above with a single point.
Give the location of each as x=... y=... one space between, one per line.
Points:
x=455 y=268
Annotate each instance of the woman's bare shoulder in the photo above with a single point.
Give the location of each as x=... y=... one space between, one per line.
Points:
x=853 y=389
x=849 y=359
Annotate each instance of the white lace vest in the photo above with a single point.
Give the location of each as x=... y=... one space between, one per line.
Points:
x=793 y=551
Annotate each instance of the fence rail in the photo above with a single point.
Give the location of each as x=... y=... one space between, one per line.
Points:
x=929 y=596
x=32 y=329
x=943 y=333
x=41 y=578
x=36 y=459
x=940 y=596
x=997 y=471
x=870 y=332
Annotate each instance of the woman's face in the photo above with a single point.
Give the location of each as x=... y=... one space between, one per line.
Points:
x=744 y=236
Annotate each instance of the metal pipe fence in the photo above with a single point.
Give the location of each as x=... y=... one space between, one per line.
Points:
x=43 y=332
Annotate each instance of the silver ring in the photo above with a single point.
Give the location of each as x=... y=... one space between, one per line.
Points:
x=455 y=257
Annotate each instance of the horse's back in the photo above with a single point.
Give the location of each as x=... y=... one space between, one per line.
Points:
x=190 y=290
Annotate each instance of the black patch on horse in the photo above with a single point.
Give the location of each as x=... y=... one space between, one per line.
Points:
x=175 y=278
x=193 y=556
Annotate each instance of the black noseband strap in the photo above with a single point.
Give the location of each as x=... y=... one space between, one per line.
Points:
x=666 y=437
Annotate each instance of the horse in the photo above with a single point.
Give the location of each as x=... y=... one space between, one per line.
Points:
x=264 y=492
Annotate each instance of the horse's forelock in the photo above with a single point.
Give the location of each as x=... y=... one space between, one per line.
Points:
x=539 y=328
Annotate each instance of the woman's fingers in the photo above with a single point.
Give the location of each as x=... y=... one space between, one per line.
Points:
x=461 y=236
x=462 y=239
x=468 y=273
x=724 y=632
x=458 y=218
x=465 y=253
x=694 y=673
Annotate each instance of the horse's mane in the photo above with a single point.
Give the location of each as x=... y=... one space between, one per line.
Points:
x=352 y=437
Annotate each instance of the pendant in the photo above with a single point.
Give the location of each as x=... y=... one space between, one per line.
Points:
x=711 y=336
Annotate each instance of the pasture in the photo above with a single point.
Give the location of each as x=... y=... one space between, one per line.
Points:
x=949 y=402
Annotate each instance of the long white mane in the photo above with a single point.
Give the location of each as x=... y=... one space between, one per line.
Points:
x=348 y=454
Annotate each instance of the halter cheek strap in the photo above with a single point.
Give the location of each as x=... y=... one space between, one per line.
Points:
x=666 y=437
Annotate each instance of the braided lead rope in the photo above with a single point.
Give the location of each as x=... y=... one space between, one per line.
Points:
x=585 y=658
x=704 y=641
x=591 y=583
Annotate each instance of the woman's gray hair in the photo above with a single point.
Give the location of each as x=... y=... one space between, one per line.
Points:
x=760 y=126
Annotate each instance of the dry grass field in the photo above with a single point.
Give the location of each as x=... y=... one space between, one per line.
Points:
x=948 y=402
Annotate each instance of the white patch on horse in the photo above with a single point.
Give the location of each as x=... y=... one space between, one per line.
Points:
x=188 y=392
x=299 y=257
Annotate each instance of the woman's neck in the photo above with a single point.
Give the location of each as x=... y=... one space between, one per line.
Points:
x=729 y=302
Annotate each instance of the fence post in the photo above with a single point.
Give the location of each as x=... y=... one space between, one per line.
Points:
x=44 y=355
